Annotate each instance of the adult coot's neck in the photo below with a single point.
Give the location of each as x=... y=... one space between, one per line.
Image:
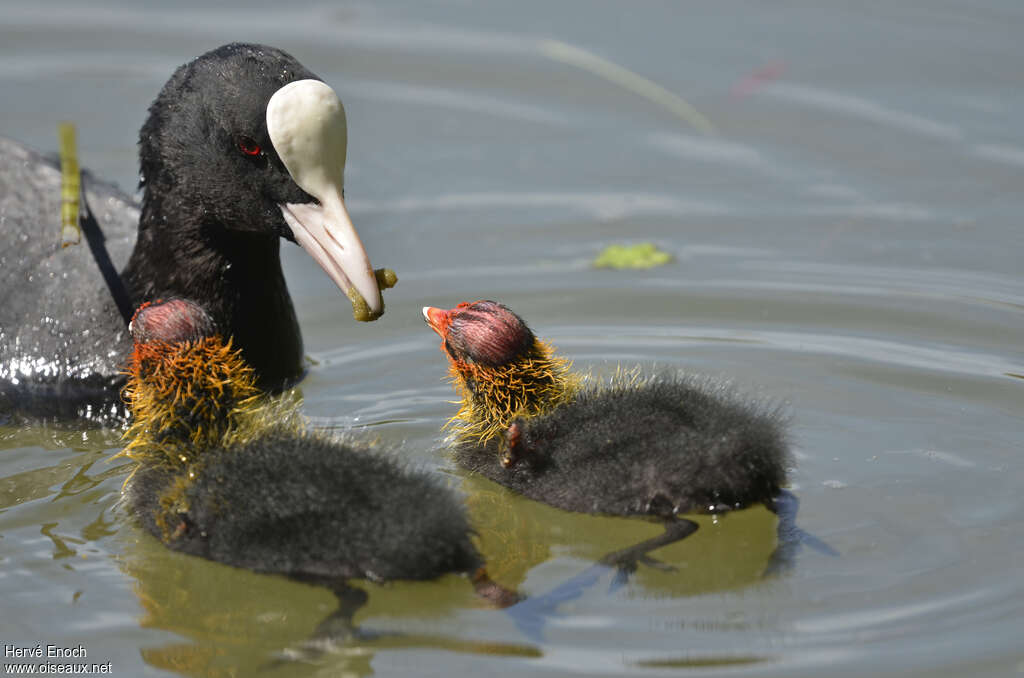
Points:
x=213 y=186
x=237 y=275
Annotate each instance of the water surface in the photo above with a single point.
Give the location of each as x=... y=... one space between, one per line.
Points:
x=846 y=243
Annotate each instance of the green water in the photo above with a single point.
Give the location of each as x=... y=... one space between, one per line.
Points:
x=846 y=242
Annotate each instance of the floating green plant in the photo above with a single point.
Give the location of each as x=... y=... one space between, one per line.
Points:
x=640 y=255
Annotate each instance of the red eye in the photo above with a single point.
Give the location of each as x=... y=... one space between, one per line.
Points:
x=248 y=146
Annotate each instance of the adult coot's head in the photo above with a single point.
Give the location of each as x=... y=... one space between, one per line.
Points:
x=242 y=147
x=244 y=143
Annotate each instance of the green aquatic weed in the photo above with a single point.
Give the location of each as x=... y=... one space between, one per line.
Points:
x=640 y=255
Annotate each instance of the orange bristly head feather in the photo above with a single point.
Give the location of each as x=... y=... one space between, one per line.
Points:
x=492 y=397
x=185 y=397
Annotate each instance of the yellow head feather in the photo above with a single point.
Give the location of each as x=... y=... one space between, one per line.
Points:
x=187 y=397
x=492 y=397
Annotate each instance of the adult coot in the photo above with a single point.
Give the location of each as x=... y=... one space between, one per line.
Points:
x=656 y=446
x=242 y=147
x=228 y=473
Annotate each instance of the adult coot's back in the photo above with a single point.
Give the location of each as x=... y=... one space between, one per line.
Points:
x=219 y=191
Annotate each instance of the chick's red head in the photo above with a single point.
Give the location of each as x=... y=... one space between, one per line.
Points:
x=482 y=332
x=170 y=321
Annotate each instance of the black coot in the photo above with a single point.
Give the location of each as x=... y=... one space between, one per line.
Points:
x=242 y=147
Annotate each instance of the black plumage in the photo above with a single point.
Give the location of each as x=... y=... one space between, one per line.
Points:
x=656 y=446
x=230 y=474
x=660 y=446
x=209 y=227
x=312 y=508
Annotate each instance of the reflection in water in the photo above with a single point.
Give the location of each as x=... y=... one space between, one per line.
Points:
x=299 y=629
x=698 y=662
x=516 y=535
x=849 y=241
x=865 y=109
x=242 y=623
x=71 y=478
x=60 y=544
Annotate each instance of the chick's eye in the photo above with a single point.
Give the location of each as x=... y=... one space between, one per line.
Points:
x=248 y=146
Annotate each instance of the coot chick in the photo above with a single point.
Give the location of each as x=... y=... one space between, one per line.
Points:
x=242 y=147
x=634 y=446
x=229 y=474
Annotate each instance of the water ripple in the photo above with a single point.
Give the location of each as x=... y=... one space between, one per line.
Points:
x=859 y=107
